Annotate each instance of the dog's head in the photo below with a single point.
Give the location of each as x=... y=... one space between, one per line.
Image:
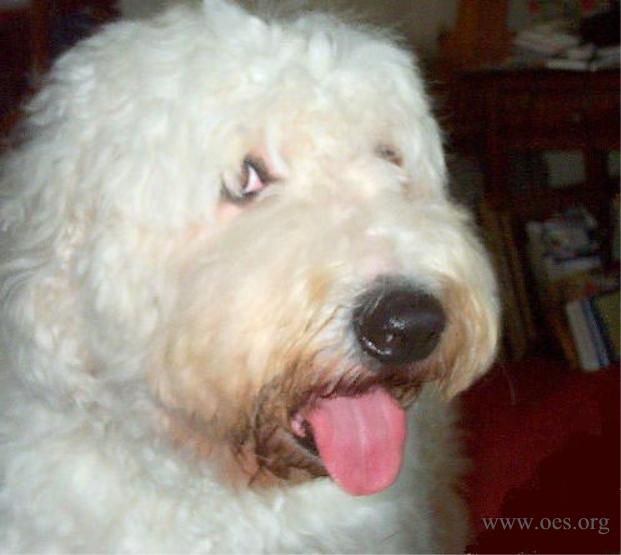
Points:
x=251 y=218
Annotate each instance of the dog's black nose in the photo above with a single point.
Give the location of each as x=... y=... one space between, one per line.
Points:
x=398 y=323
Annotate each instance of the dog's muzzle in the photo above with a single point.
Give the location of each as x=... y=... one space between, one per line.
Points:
x=397 y=323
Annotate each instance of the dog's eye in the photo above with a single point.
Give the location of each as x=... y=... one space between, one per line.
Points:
x=254 y=177
x=389 y=154
x=251 y=181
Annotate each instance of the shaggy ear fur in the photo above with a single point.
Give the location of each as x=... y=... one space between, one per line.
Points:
x=36 y=243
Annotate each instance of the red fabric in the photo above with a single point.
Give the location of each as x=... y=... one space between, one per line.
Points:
x=545 y=445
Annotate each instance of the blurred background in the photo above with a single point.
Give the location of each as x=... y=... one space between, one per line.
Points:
x=527 y=92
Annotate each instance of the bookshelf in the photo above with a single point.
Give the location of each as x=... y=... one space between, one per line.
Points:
x=495 y=113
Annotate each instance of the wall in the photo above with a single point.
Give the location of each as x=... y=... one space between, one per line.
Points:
x=419 y=20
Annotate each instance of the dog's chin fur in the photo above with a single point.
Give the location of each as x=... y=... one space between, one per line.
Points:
x=165 y=332
x=262 y=448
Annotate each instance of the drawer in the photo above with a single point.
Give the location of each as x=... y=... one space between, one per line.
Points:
x=513 y=110
x=553 y=117
x=558 y=110
x=603 y=119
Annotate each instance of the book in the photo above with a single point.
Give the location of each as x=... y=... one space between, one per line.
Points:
x=518 y=319
x=548 y=39
x=587 y=355
x=595 y=327
x=616 y=229
x=606 y=310
x=515 y=336
x=581 y=65
x=577 y=59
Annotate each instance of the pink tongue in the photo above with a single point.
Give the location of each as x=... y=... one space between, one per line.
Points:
x=360 y=439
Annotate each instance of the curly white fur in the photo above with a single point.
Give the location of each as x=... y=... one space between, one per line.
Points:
x=145 y=308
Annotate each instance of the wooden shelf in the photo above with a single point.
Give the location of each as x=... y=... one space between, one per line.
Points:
x=497 y=112
x=542 y=203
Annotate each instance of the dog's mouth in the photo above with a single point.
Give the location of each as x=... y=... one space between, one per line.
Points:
x=358 y=437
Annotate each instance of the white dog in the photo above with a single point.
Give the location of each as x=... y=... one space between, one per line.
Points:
x=229 y=266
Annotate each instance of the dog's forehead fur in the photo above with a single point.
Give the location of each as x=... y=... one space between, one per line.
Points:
x=194 y=99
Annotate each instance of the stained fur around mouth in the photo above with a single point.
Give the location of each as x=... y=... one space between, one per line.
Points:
x=307 y=438
x=279 y=451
